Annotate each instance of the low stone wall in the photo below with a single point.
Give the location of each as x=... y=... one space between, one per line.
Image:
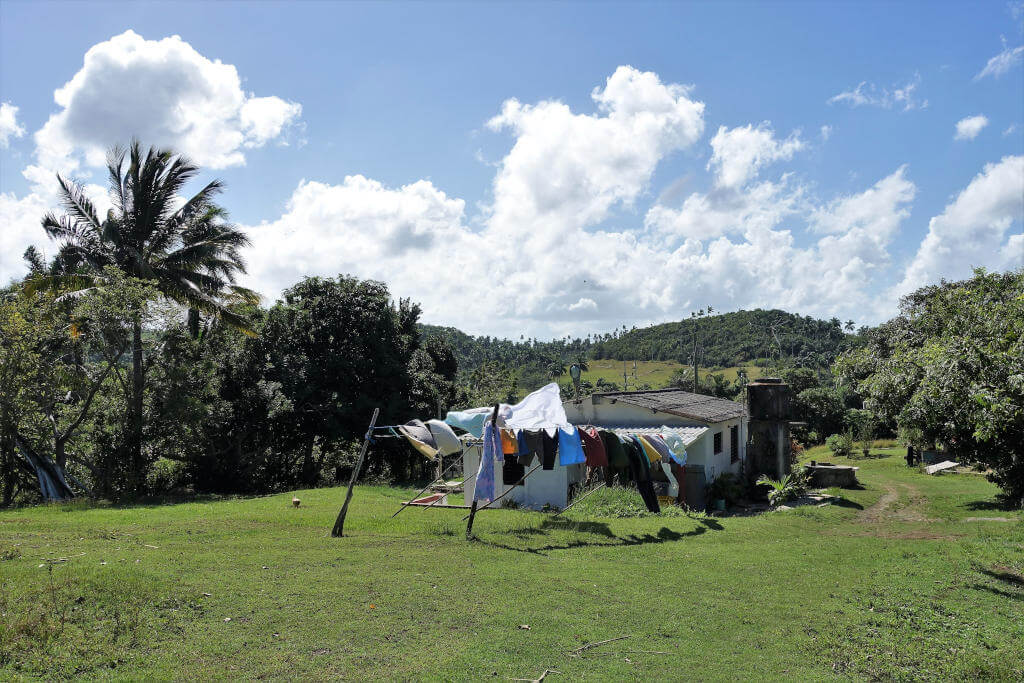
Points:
x=824 y=474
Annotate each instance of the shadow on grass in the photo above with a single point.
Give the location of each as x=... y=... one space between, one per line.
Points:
x=847 y=503
x=1009 y=577
x=664 y=535
x=996 y=503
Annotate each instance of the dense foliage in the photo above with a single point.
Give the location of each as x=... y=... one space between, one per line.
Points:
x=773 y=338
x=949 y=372
x=732 y=339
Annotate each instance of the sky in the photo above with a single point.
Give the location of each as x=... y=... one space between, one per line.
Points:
x=544 y=169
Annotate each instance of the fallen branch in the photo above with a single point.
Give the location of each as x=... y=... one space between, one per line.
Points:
x=584 y=648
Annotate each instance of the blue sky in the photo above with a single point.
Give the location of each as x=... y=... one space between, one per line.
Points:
x=355 y=138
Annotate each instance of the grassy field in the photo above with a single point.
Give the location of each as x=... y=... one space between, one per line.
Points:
x=910 y=577
x=657 y=373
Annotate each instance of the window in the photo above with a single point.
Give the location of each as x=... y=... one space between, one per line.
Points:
x=734 y=444
x=718 y=442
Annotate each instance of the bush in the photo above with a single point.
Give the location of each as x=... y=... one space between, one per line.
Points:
x=780 y=491
x=166 y=476
x=841 y=445
x=726 y=487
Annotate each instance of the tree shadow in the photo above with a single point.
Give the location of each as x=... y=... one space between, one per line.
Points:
x=664 y=535
x=991 y=504
x=1009 y=577
x=997 y=591
x=847 y=503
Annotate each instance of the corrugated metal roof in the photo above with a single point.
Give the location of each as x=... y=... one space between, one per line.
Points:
x=688 y=434
x=681 y=403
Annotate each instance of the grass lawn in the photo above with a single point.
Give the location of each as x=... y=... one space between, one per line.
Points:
x=657 y=373
x=910 y=577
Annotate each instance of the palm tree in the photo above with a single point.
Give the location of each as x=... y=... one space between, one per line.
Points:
x=187 y=251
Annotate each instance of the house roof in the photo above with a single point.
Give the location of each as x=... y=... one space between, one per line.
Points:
x=687 y=434
x=681 y=403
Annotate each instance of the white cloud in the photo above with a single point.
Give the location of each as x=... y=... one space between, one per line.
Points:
x=567 y=169
x=740 y=152
x=534 y=255
x=877 y=211
x=164 y=93
x=584 y=304
x=868 y=94
x=9 y=126
x=826 y=133
x=1002 y=62
x=760 y=206
x=969 y=127
x=537 y=262
x=971 y=230
x=1010 y=130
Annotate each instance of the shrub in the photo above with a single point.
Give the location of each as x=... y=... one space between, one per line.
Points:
x=726 y=487
x=841 y=445
x=789 y=487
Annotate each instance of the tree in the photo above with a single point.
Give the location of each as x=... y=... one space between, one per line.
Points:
x=948 y=371
x=188 y=252
x=61 y=355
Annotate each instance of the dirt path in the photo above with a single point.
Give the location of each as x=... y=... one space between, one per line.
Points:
x=877 y=511
x=908 y=513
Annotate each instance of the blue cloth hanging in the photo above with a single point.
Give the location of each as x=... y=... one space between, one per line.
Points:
x=483 y=490
x=570 y=448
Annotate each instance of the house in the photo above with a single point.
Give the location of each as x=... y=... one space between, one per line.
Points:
x=714 y=429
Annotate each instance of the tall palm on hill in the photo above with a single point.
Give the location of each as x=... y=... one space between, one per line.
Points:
x=186 y=250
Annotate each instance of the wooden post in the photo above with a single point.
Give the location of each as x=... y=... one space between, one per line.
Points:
x=472 y=507
x=339 y=523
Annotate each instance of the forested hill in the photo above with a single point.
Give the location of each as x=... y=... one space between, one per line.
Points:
x=725 y=339
x=732 y=339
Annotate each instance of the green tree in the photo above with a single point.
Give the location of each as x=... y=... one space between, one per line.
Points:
x=188 y=252
x=949 y=370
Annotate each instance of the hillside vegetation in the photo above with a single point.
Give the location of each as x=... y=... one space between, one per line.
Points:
x=726 y=343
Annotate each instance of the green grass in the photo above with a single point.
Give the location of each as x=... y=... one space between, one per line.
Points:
x=893 y=583
x=657 y=373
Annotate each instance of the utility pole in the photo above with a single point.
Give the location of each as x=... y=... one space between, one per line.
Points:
x=696 y=328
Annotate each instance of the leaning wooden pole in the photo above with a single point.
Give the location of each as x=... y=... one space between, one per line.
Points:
x=472 y=507
x=599 y=486
x=339 y=524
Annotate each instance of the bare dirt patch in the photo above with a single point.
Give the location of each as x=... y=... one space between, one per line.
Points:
x=877 y=511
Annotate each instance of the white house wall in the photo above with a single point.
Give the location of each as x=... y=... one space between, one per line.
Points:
x=543 y=487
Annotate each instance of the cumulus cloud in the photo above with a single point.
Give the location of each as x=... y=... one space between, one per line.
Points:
x=897 y=96
x=972 y=229
x=163 y=92
x=877 y=211
x=968 y=128
x=9 y=126
x=1002 y=62
x=535 y=250
x=537 y=262
x=739 y=152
